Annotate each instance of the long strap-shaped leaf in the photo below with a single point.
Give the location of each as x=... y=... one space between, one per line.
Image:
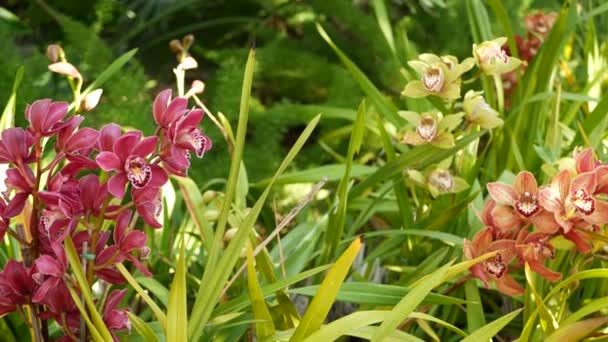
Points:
x=490 y=330
x=177 y=310
x=409 y=303
x=322 y=302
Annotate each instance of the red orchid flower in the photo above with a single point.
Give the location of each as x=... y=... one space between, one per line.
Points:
x=128 y=159
x=107 y=136
x=572 y=200
x=15 y=146
x=495 y=268
x=116 y=319
x=148 y=205
x=45 y=117
x=166 y=111
x=534 y=249
x=16 y=286
x=185 y=134
x=49 y=272
x=128 y=241
x=92 y=194
x=19 y=180
x=519 y=204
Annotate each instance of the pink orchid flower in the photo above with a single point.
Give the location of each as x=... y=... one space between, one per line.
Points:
x=166 y=111
x=128 y=159
x=15 y=146
x=534 y=249
x=16 y=286
x=519 y=204
x=116 y=319
x=495 y=268
x=45 y=117
x=572 y=200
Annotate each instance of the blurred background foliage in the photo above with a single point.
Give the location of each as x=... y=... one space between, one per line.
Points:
x=296 y=69
x=297 y=76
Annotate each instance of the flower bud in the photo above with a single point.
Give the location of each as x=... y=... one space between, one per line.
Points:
x=209 y=196
x=229 y=234
x=196 y=88
x=54 y=52
x=211 y=215
x=91 y=100
x=479 y=112
x=65 y=68
x=187 y=41
x=176 y=46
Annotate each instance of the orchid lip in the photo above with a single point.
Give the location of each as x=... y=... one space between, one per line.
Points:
x=442 y=179
x=427 y=128
x=433 y=79
x=138 y=171
x=583 y=202
x=527 y=205
x=541 y=248
x=495 y=266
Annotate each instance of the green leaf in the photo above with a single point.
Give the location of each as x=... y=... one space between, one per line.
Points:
x=177 y=310
x=241 y=302
x=160 y=315
x=325 y=297
x=154 y=286
x=377 y=294
x=85 y=315
x=109 y=71
x=215 y=278
x=337 y=218
x=476 y=317
x=593 y=306
x=263 y=326
x=385 y=23
x=196 y=207
x=332 y=172
x=490 y=330
x=142 y=328
x=8 y=114
x=85 y=289
x=577 y=331
x=410 y=302
x=386 y=108
x=345 y=325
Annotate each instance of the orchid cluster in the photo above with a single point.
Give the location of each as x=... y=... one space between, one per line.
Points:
x=68 y=185
x=522 y=220
x=441 y=77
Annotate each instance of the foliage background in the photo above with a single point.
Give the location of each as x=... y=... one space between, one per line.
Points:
x=297 y=75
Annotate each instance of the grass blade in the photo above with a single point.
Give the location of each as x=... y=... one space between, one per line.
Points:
x=490 y=330
x=386 y=108
x=142 y=328
x=322 y=302
x=177 y=310
x=263 y=326
x=409 y=303
x=577 y=331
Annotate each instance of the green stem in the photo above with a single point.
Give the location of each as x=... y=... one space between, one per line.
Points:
x=500 y=94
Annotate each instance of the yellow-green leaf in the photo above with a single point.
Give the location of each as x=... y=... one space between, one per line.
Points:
x=577 y=331
x=490 y=330
x=409 y=303
x=263 y=326
x=322 y=302
x=142 y=328
x=177 y=311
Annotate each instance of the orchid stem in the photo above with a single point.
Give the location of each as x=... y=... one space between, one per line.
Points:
x=500 y=94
